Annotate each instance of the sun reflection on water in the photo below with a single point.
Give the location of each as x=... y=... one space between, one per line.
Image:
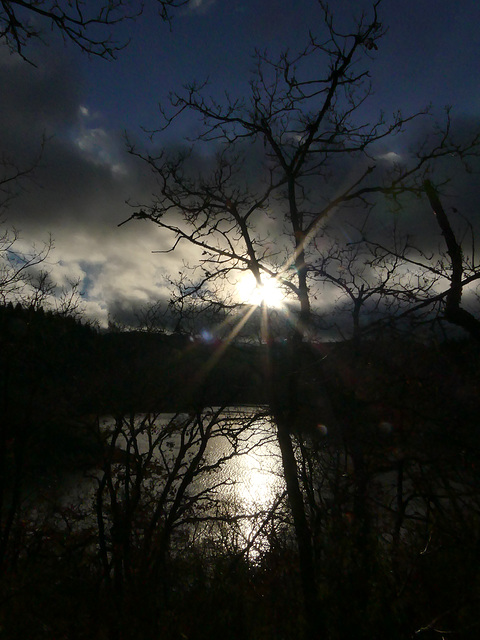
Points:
x=255 y=481
x=246 y=484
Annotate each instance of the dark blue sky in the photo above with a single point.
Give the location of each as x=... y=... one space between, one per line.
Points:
x=430 y=54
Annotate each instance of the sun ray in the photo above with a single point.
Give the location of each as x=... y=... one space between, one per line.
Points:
x=269 y=292
x=220 y=350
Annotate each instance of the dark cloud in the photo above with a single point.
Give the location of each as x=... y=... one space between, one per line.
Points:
x=84 y=177
x=78 y=189
x=36 y=100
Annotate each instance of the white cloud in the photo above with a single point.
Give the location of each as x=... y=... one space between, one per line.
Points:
x=390 y=156
x=199 y=6
x=115 y=267
x=99 y=147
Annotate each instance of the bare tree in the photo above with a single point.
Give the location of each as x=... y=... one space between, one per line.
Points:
x=302 y=128
x=159 y=491
x=18 y=281
x=361 y=282
x=87 y=25
x=463 y=269
x=428 y=283
x=24 y=277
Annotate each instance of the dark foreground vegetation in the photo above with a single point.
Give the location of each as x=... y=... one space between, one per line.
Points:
x=391 y=485
x=117 y=510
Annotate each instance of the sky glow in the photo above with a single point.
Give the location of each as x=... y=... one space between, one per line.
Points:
x=82 y=106
x=270 y=292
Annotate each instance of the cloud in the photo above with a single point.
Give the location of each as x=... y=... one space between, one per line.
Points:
x=84 y=177
x=79 y=188
x=390 y=156
x=97 y=145
x=199 y=6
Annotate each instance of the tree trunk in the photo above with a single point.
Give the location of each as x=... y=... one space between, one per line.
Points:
x=302 y=531
x=284 y=407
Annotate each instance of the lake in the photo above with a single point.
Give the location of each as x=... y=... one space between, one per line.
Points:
x=232 y=457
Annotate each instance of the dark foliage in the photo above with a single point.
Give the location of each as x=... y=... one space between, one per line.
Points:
x=392 y=491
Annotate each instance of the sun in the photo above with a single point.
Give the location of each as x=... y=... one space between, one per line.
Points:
x=270 y=292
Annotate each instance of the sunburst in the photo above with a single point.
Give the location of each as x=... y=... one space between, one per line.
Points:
x=269 y=292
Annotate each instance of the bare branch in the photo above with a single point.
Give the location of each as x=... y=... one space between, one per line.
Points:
x=87 y=27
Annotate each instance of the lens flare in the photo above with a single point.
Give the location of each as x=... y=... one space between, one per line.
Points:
x=269 y=292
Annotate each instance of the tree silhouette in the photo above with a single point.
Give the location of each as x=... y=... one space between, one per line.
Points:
x=303 y=129
x=87 y=25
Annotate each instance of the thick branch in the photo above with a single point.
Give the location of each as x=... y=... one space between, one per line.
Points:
x=454 y=313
